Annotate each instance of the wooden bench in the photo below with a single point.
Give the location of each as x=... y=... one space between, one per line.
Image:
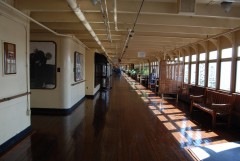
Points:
x=215 y=103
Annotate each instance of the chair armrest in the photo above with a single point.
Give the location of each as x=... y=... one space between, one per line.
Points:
x=199 y=98
x=222 y=108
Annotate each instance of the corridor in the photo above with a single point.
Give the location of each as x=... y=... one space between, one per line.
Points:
x=117 y=125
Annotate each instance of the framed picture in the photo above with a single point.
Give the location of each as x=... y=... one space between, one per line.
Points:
x=43 y=64
x=9 y=58
x=78 y=67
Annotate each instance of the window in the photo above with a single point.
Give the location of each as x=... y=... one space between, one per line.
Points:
x=186 y=73
x=239 y=51
x=194 y=58
x=186 y=59
x=238 y=72
x=238 y=77
x=202 y=56
x=201 y=69
x=225 y=70
x=212 y=70
x=181 y=59
x=193 y=73
x=225 y=75
x=213 y=55
x=226 y=53
x=193 y=69
x=201 y=74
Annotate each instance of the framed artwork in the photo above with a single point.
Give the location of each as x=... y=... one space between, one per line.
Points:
x=9 y=58
x=43 y=64
x=78 y=67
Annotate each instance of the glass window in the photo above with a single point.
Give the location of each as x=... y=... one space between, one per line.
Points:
x=238 y=77
x=194 y=58
x=239 y=51
x=226 y=53
x=202 y=56
x=213 y=55
x=193 y=73
x=225 y=75
x=186 y=73
x=201 y=74
x=186 y=58
x=181 y=58
x=212 y=69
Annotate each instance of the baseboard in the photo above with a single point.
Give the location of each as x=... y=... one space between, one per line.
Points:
x=92 y=96
x=51 y=111
x=14 y=140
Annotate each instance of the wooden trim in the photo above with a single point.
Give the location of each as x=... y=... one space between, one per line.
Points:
x=73 y=84
x=14 y=97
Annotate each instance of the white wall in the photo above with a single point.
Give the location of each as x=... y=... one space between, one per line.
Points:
x=14 y=116
x=64 y=96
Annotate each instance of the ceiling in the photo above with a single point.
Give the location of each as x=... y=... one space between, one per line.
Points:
x=161 y=27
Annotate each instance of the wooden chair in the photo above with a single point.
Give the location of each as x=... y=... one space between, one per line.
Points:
x=215 y=103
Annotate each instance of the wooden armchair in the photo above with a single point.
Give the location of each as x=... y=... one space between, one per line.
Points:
x=215 y=103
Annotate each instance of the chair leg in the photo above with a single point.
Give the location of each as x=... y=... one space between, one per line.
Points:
x=213 y=120
x=191 y=108
x=229 y=120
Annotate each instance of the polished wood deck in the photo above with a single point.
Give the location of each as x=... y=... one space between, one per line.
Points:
x=127 y=123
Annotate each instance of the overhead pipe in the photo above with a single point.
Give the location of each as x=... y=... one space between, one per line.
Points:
x=76 y=9
x=131 y=31
x=126 y=43
x=41 y=25
x=106 y=19
x=115 y=14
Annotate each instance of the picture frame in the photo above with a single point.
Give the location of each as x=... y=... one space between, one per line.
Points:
x=42 y=60
x=10 y=66
x=78 y=66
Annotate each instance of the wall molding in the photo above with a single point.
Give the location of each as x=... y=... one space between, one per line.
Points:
x=51 y=111
x=15 y=139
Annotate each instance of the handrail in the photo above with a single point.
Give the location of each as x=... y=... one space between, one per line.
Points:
x=78 y=82
x=14 y=97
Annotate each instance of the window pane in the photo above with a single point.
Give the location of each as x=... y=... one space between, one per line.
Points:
x=186 y=73
x=239 y=51
x=194 y=58
x=193 y=73
x=225 y=76
x=181 y=58
x=186 y=58
x=202 y=56
x=212 y=75
x=227 y=53
x=201 y=74
x=212 y=55
x=238 y=77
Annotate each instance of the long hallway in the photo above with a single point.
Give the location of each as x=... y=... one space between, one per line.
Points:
x=117 y=125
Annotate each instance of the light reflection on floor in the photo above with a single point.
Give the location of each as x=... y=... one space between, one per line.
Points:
x=186 y=132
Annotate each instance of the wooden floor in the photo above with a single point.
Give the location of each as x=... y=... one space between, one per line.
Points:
x=127 y=123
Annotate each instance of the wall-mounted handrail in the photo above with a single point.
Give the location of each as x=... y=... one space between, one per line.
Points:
x=14 y=97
